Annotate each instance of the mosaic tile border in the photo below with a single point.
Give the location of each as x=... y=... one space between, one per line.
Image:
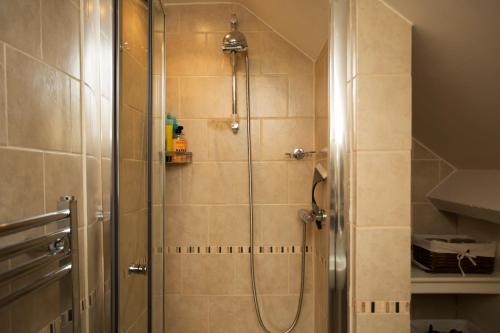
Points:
x=384 y=307
x=269 y=249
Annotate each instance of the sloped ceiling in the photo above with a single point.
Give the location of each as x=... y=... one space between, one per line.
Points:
x=304 y=23
x=456 y=78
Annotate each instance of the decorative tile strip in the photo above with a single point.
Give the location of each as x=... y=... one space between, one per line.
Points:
x=217 y=249
x=381 y=307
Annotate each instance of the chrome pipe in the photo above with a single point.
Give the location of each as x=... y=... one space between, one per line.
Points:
x=42 y=282
x=32 y=222
x=19 y=248
x=32 y=266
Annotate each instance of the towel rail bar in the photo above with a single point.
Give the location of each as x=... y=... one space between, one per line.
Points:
x=61 y=247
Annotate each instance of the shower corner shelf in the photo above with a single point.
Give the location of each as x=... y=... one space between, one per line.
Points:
x=427 y=283
x=178 y=157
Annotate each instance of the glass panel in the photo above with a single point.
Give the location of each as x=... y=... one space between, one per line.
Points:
x=132 y=167
x=158 y=165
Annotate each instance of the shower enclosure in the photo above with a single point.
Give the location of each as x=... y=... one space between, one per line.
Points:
x=235 y=234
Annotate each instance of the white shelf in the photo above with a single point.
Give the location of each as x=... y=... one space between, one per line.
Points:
x=427 y=283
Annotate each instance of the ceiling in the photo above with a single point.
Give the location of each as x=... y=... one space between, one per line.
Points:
x=456 y=78
x=303 y=23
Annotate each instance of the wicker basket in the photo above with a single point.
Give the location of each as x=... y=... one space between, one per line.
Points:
x=453 y=254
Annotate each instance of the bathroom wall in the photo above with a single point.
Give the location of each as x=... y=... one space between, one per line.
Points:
x=379 y=86
x=207 y=274
x=321 y=146
x=55 y=112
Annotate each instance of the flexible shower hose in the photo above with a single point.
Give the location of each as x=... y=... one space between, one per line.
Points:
x=250 y=201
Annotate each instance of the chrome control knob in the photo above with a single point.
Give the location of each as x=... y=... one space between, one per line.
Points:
x=137 y=269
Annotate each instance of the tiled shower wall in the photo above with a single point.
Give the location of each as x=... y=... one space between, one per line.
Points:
x=206 y=212
x=55 y=138
x=379 y=85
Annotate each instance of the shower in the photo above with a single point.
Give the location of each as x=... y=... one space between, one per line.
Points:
x=233 y=43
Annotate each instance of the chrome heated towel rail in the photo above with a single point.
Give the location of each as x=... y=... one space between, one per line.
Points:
x=58 y=248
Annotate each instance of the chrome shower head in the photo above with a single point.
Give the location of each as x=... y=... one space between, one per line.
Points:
x=234 y=41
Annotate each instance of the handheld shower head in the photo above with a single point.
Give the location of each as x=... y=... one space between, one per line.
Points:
x=234 y=41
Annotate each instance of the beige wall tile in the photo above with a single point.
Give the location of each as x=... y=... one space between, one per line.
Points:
x=91 y=104
x=172 y=96
x=300 y=181
x=270 y=96
x=76 y=115
x=229 y=225
x=295 y=272
x=133 y=128
x=279 y=57
x=185 y=54
x=186 y=225
x=38 y=104
x=3 y=119
x=106 y=127
x=173 y=179
x=300 y=102
x=106 y=64
x=383 y=39
x=217 y=62
x=321 y=135
x=213 y=183
x=20 y=25
x=205 y=97
x=271 y=273
x=279 y=311
x=281 y=136
x=63 y=176
x=424 y=177
x=376 y=281
x=206 y=18
x=91 y=43
x=133 y=83
x=224 y=145
x=94 y=190
x=135 y=33
x=207 y=274
x=383 y=112
x=230 y=314
x=281 y=225
x=172 y=274
x=383 y=189
x=197 y=135
x=187 y=314
x=270 y=182
x=172 y=15
x=132 y=185
x=380 y=323
x=20 y=170
x=60 y=35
